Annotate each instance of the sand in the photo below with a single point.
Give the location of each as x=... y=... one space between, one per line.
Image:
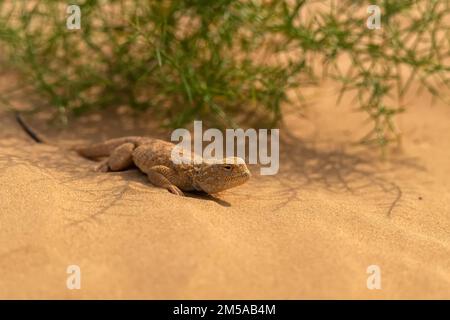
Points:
x=309 y=232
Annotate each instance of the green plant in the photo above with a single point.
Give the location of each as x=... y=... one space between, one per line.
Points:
x=228 y=62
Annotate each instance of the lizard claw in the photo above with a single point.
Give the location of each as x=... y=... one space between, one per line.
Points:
x=175 y=190
x=102 y=167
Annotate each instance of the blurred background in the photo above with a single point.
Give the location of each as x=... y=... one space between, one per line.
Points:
x=229 y=63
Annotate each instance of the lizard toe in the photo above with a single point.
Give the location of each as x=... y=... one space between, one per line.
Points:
x=102 y=167
x=175 y=190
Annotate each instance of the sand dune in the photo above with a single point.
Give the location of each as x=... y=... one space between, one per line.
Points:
x=309 y=232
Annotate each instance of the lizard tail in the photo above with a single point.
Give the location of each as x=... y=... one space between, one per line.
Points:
x=33 y=135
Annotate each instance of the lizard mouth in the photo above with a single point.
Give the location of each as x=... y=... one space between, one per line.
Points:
x=242 y=177
x=227 y=182
x=245 y=174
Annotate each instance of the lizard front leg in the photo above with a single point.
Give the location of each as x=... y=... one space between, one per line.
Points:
x=165 y=177
x=120 y=159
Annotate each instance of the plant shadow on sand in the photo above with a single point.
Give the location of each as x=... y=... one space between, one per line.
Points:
x=304 y=165
x=351 y=168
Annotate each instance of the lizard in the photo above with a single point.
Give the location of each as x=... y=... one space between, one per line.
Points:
x=153 y=157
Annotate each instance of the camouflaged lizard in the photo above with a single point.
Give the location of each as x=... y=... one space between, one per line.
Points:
x=154 y=158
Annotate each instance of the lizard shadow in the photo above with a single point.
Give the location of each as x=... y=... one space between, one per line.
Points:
x=134 y=174
x=208 y=197
x=138 y=177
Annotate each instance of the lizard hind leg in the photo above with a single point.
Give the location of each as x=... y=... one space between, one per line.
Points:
x=120 y=159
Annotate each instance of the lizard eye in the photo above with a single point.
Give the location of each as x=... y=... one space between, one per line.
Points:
x=227 y=167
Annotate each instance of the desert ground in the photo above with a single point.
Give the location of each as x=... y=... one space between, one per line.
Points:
x=310 y=231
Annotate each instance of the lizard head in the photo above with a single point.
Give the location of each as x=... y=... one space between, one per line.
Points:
x=217 y=175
